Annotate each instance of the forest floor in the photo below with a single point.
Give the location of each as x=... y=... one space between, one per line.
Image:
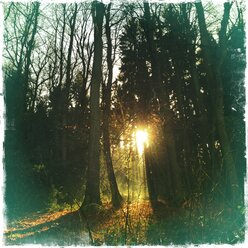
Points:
x=133 y=224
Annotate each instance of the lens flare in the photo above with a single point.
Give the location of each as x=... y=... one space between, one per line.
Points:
x=141 y=140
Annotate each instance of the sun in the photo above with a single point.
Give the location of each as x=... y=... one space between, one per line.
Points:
x=141 y=137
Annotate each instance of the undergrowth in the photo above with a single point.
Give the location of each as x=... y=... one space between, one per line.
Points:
x=133 y=224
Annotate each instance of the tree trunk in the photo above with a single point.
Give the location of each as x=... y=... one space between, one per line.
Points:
x=225 y=143
x=66 y=91
x=92 y=193
x=157 y=81
x=30 y=47
x=213 y=68
x=150 y=178
x=116 y=196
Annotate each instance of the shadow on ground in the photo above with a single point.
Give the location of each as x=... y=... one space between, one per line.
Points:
x=58 y=228
x=133 y=224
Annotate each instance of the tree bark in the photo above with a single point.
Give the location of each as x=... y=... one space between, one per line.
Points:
x=150 y=178
x=213 y=68
x=116 y=196
x=92 y=193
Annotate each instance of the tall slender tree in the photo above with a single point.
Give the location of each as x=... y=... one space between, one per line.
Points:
x=214 y=54
x=149 y=27
x=92 y=193
x=115 y=194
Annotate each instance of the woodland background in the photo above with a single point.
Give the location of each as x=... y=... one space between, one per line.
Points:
x=81 y=78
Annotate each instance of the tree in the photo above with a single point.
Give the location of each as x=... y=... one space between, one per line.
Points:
x=92 y=193
x=19 y=47
x=214 y=54
x=85 y=53
x=149 y=27
x=115 y=194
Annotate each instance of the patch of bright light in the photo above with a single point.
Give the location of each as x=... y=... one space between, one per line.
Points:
x=141 y=140
x=122 y=144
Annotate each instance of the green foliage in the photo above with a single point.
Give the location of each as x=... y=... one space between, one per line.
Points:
x=39 y=168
